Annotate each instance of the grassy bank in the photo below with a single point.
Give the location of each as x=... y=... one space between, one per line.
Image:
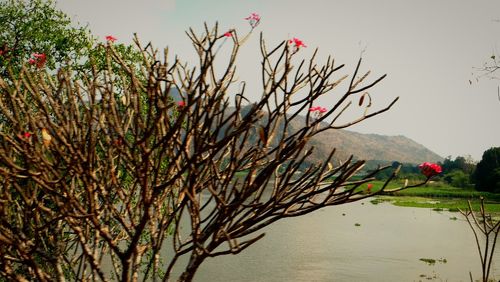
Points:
x=438 y=204
x=438 y=196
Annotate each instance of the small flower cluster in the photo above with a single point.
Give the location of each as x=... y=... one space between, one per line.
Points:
x=297 y=43
x=320 y=110
x=25 y=135
x=253 y=20
x=38 y=59
x=430 y=169
x=369 y=187
x=110 y=38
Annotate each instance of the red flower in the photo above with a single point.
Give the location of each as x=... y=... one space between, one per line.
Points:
x=430 y=169
x=25 y=135
x=228 y=34
x=181 y=104
x=253 y=19
x=297 y=43
x=110 y=38
x=318 y=109
x=38 y=59
x=4 y=49
x=369 y=186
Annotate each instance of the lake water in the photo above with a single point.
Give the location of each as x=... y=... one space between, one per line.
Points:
x=328 y=246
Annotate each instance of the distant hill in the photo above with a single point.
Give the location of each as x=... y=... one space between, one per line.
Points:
x=377 y=147
x=372 y=147
x=366 y=146
x=369 y=147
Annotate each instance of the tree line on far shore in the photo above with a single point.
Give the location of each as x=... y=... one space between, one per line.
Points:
x=461 y=172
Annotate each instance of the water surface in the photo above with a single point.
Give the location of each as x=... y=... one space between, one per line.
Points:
x=328 y=246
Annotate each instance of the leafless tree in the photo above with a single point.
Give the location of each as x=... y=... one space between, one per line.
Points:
x=485 y=233
x=489 y=70
x=107 y=176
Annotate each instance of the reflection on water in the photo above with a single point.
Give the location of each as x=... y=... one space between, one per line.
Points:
x=328 y=246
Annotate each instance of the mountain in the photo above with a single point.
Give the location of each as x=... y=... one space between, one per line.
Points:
x=372 y=147
x=366 y=146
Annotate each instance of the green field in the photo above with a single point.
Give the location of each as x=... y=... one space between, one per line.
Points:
x=437 y=196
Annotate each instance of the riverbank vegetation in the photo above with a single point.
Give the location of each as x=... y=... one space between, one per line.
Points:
x=461 y=180
x=436 y=195
x=461 y=172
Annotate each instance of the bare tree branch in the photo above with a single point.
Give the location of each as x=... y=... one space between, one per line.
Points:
x=103 y=173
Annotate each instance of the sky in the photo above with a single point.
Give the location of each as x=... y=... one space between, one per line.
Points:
x=430 y=50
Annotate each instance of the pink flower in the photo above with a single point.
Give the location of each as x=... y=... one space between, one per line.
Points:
x=297 y=43
x=38 y=59
x=181 y=104
x=253 y=19
x=369 y=186
x=25 y=135
x=228 y=34
x=430 y=169
x=110 y=38
x=253 y=16
x=320 y=110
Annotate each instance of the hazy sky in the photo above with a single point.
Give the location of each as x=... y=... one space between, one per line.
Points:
x=428 y=48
